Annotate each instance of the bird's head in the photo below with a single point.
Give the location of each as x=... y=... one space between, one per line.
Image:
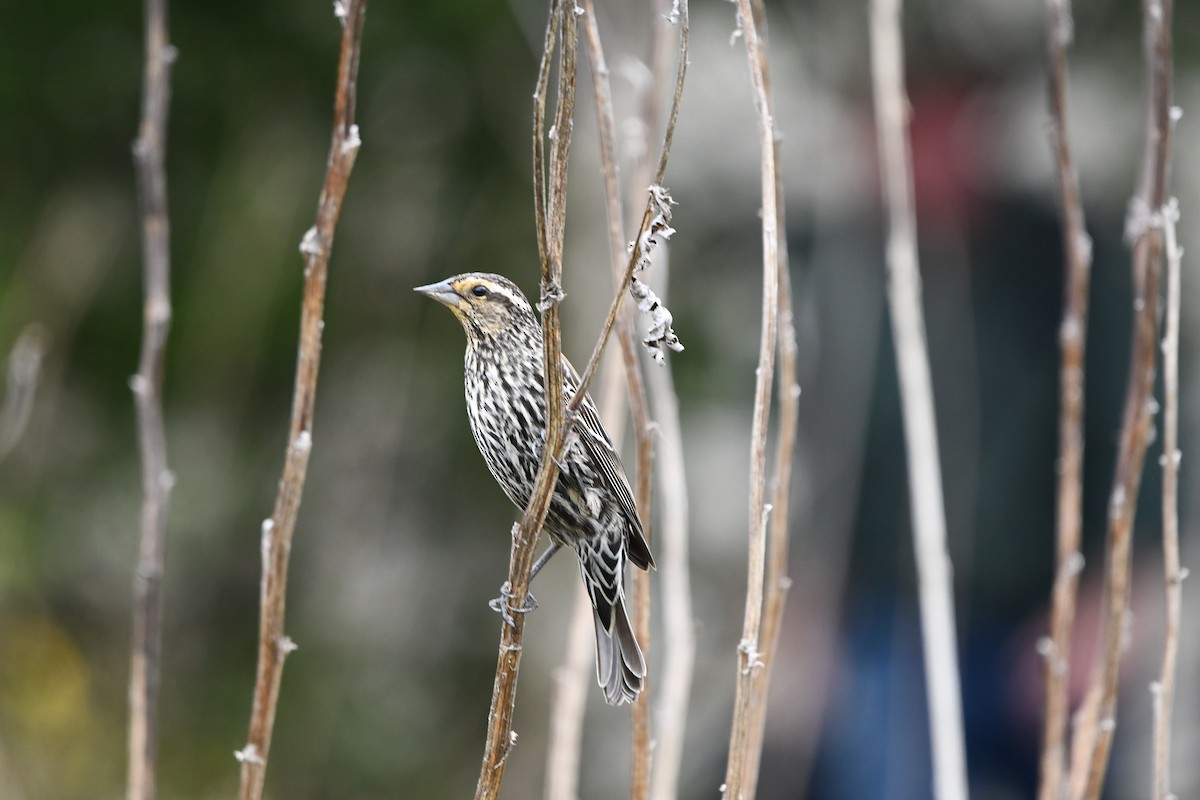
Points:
x=487 y=305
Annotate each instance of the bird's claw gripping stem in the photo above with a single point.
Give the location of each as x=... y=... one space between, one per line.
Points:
x=505 y=609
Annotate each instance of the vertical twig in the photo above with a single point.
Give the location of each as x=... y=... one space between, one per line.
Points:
x=679 y=645
x=1144 y=227
x=570 y=698
x=1164 y=690
x=1077 y=251
x=777 y=580
x=749 y=657
x=639 y=412
x=916 y=395
x=788 y=399
x=277 y=532
x=149 y=153
x=679 y=637
x=550 y=210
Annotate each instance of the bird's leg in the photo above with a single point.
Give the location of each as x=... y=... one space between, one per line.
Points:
x=500 y=604
x=543 y=559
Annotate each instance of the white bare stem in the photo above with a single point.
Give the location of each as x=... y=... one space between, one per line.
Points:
x=916 y=394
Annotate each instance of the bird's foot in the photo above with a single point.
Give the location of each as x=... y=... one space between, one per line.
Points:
x=506 y=610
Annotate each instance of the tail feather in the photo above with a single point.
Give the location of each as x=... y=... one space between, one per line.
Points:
x=620 y=668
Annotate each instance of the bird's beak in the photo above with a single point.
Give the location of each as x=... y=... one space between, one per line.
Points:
x=443 y=292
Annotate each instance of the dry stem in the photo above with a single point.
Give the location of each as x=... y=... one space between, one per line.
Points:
x=273 y=645
x=1145 y=225
x=149 y=153
x=916 y=394
x=679 y=645
x=777 y=580
x=749 y=659
x=1077 y=249
x=1164 y=695
x=678 y=624
x=644 y=444
x=788 y=398
x=570 y=700
x=550 y=209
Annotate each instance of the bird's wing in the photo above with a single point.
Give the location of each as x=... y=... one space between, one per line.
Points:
x=604 y=456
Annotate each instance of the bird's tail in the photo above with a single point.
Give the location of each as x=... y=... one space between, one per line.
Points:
x=620 y=668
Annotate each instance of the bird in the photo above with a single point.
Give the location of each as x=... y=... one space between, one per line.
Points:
x=592 y=510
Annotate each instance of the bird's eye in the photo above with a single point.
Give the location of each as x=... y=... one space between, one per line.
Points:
x=480 y=291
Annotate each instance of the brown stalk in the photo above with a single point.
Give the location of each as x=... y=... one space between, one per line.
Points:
x=644 y=443
x=671 y=545
x=916 y=395
x=571 y=681
x=149 y=153
x=1145 y=226
x=746 y=698
x=1077 y=251
x=679 y=636
x=277 y=533
x=776 y=583
x=777 y=580
x=1164 y=690
x=550 y=210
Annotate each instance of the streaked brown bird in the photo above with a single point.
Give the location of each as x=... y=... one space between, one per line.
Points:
x=592 y=510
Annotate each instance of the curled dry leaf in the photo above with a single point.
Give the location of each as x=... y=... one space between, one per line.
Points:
x=659 y=334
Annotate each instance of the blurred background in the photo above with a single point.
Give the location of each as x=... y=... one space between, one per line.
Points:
x=402 y=537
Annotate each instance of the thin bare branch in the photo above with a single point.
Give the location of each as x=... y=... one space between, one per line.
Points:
x=655 y=767
x=679 y=645
x=776 y=582
x=1077 y=251
x=1174 y=573
x=644 y=443
x=916 y=396
x=277 y=532
x=149 y=153
x=1145 y=228
x=749 y=658
x=654 y=195
x=570 y=699
x=551 y=213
